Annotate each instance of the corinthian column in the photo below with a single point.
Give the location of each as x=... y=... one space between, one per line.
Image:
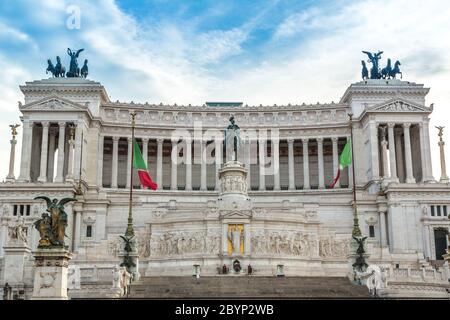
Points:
x=145 y=150
x=393 y=161
x=334 y=140
x=203 y=165
x=218 y=160
x=408 y=157
x=115 y=156
x=384 y=145
x=44 y=150
x=129 y=164
x=61 y=141
x=13 y=141
x=291 y=164
x=306 y=185
x=320 y=162
x=101 y=148
x=174 y=162
x=25 y=161
x=441 y=143
x=262 y=164
x=276 y=163
x=69 y=175
x=188 y=160
x=159 y=161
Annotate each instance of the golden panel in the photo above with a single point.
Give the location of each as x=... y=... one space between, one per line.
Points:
x=240 y=229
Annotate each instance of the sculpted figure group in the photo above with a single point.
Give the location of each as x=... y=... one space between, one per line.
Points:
x=59 y=70
x=387 y=72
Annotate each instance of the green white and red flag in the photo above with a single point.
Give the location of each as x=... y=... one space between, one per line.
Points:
x=345 y=159
x=141 y=167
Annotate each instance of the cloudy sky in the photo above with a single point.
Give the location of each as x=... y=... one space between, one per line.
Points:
x=192 y=51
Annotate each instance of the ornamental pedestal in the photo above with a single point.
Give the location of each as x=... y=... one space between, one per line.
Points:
x=235 y=212
x=50 y=277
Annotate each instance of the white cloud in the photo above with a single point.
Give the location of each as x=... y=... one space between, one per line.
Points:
x=172 y=62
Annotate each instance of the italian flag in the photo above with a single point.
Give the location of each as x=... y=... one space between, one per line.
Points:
x=140 y=165
x=345 y=159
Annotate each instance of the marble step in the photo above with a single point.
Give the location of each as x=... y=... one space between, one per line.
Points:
x=220 y=287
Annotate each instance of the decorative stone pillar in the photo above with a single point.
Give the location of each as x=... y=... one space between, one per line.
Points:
x=382 y=228
x=79 y=151
x=174 y=162
x=334 y=140
x=262 y=164
x=320 y=163
x=51 y=155
x=61 y=141
x=276 y=163
x=10 y=177
x=69 y=175
x=248 y=160
x=44 y=155
x=25 y=162
x=408 y=157
x=129 y=152
x=115 y=158
x=50 y=276
x=291 y=164
x=77 y=234
x=399 y=155
x=101 y=148
x=393 y=161
x=188 y=160
x=441 y=143
x=306 y=184
x=203 y=165
x=374 y=150
x=145 y=150
x=427 y=151
x=218 y=160
x=159 y=161
x=384 y=154
x=350 y=171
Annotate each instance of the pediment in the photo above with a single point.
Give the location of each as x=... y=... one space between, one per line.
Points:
x=243 y=214
x=398 y=105
x=53 y=103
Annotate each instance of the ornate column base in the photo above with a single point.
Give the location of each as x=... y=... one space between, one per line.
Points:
x=51 y=274
x=444 y=180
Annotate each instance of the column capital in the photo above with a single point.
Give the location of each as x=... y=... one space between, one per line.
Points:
x=61 y=124
x=159 y=140
x=319 y=140
x=115 y=138
x=129 y=139
x=174 y=140
x=305 y=140
x=290 y=140
x=45 y=123
x=391 y=125
x=275 y=141
x=334 y=139
x=406 y=125
x=144 y=140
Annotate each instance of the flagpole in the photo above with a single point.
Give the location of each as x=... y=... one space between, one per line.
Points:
x=356 y=230
x=130 y=231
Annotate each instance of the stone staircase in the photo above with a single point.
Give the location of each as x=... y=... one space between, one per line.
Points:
x=229 y=287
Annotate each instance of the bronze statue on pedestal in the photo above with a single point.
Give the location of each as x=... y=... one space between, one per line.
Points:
x=52 y=227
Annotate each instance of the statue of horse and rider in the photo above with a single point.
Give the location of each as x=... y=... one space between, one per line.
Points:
x=387 y=72
x=59 y=70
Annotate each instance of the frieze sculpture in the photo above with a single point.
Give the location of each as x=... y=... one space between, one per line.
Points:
x=52 y=225
x=59 y=71
x=387 y=72
x=18 y=231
